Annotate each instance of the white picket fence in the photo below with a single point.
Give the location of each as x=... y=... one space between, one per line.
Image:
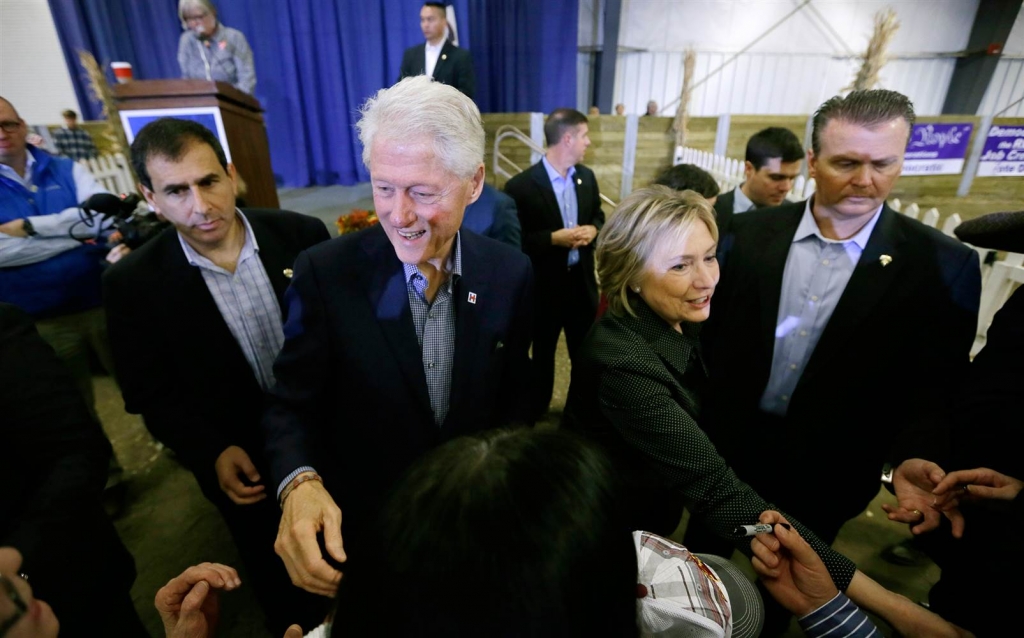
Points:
x=728 y=172
x=112 y=172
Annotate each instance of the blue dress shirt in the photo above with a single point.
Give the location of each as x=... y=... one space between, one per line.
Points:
x=565 y=193
x=817 y=271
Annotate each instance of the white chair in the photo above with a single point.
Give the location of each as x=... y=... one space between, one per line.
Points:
x=112 y=172
x=931 y=217
x=912 y=211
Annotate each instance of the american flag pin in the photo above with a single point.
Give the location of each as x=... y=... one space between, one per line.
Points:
x=472 y=297
x=885 y=260
x=288 y=272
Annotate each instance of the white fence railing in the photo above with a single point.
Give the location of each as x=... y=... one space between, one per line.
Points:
x=112 y=172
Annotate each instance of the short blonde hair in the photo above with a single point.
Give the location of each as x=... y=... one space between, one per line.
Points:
x=640 y=225
x=418 y=106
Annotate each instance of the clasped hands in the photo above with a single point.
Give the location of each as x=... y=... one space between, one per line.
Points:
x=574 y=237
x=925 y=493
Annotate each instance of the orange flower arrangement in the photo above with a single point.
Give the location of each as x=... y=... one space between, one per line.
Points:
x=356 y=220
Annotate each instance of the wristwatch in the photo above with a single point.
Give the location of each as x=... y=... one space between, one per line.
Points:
x=28 y=228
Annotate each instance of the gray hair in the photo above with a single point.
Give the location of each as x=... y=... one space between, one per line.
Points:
x=865 y=108
x=641 y=224
x=185 y=5
x=420 y=107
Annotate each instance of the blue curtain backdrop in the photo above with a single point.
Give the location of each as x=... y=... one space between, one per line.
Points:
x=318 y=60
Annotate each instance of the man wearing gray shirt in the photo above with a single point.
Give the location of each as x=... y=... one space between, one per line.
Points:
x=196 y=321
x=833 y=321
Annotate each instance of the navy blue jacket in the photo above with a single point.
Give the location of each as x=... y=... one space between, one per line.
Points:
x=494 y=215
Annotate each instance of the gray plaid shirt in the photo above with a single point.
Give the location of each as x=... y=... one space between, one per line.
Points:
x=435 y=329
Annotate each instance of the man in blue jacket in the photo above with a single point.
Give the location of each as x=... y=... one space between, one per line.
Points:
x=45 y=268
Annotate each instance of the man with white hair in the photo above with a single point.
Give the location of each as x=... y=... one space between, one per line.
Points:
x=209 y=50
x=399 y=337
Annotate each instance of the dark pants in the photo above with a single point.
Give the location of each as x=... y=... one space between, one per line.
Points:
x=254 y=529
x=564 y=302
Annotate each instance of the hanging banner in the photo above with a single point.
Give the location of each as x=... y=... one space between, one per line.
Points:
x=1003 y=154
x=937 y=149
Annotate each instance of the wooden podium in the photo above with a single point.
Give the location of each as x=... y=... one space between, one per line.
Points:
x=235 y=117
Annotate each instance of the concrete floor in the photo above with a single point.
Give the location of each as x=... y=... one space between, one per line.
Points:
x=168 y=525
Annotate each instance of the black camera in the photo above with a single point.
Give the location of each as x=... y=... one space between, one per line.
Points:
x=135 y=228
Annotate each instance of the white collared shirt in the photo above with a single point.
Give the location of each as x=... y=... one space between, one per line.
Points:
x=433 y=52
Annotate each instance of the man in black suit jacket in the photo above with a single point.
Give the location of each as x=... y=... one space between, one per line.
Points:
x=494 y=215
x=832 y=321
x=560 y=211
x=53 y=469
x=399 y=337
x=772 y=163
x=439 y=58
x=195 y=321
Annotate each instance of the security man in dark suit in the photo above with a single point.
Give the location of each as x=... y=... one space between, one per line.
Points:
x=772 y=163
x=195 y=321
x=560 y=211
x=832 y=319
x=439 y=58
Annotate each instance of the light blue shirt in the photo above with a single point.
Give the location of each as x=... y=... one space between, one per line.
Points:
x=246 y=300
x=740 y=202
x=565 y=194
x=816 y=274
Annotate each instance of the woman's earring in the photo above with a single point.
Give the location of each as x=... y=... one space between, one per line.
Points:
x=637 y=290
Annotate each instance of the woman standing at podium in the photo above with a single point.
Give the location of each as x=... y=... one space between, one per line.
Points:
x=208 y=50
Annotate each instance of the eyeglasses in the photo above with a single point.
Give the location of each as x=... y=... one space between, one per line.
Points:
x=195 y=18
x=10 y=126
x=18 y=603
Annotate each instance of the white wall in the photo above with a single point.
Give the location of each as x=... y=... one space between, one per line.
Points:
x=33 y=74
x=804 y=61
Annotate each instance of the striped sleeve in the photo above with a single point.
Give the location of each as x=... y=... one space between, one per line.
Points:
x=838 y=618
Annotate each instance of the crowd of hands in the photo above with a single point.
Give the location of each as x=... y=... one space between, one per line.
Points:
x=790 y=569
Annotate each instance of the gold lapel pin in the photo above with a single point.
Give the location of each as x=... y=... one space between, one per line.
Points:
x=885 y=260
x=288 y=272
x=444 y=56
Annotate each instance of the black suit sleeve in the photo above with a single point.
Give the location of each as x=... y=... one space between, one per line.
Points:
x=517 y=380
x=596 y=212
x=506 y=228
x=58 y=453
x=529 y=207
x=148 y=384
x=465 y=79
x=292 y=414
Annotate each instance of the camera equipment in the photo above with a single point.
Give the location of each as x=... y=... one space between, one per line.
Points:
x=123 y=215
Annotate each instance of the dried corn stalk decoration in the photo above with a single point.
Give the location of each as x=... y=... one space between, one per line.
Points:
x=876 y=56
x=99 y=90
x=682 y=121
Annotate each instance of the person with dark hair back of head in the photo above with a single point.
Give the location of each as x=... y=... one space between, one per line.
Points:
x=560 y=212
x=688 y=177
x=73 y=142
x=772 y=163
x=832 y=317
x=438 y=57
x=201 y=392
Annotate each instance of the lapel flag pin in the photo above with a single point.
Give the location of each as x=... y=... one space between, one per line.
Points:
x=472 y=297
x=885 y=260
x=288 y=272
x=444 y=56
